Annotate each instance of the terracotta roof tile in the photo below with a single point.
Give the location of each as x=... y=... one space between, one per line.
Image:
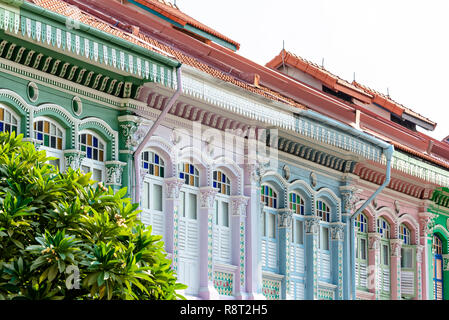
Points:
x=167 y=8
x=151 y=44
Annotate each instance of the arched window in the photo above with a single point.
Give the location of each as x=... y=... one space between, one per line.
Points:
x=437 y=248
x=190 y=174
x=297 y=253
x=188 y=228
x=9 y=121
x=323 y=211
x=361 y=251
x=94 y=147
x=407 y=270
x=383 y=228
x=153 y=164
x=268 y=196
x=51 y=135
x=269 y=236
x=152 y=201
x=222 y=223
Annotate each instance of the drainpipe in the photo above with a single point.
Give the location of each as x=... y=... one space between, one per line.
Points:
x=388 y=151
x=153 y=128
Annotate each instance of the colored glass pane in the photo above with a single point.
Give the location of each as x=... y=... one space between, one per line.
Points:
x=50 y=135
x=189 y=173
x=323 y=211
x=269 y=196
x=93 y=147
x=222 y=182
x=153 y=164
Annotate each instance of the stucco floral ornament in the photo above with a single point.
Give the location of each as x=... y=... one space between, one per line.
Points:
x=313 y=179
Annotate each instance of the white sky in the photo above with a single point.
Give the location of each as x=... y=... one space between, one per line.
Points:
x=400 y=45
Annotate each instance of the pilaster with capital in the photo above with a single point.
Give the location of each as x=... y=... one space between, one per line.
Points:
x=419 y=267
x=374 y=263
x=172 y=188
x=396 y=245
x=311 y=224
x=114 y=170
x=238 y=206
x=337 y=233
x=284 y=218
x=74 y=158
x=207 y=199
x=251 y=189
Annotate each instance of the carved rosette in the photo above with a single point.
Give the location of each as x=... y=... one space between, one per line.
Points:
x=114 y=170
x=132 y=131
x=396 y=245
x=74 y=158
x=207 y=197
x=373 y=241
x=285 y=218
x=173 y=186
x=238 y=205
x=312 y=224
x=337 y=232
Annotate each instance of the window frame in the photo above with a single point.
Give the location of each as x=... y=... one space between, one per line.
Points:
x=92 y=163
x=52 y=152
x=3 y=109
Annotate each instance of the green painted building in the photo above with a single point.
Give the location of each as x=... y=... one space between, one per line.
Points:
x=72 y=89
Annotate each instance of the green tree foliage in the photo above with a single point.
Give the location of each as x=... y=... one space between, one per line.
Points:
x=63 y=237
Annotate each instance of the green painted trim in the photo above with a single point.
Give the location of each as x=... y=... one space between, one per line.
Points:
x=101 y=34
x=211 y=37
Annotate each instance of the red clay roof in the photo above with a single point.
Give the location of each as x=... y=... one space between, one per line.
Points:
x=149 y=43
x=171 y=11
x=354 y=89
x=60 y=7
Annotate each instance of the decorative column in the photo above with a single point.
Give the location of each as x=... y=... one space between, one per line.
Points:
x=395 y=274
x=207 y=197
x=312 y=224
x=127 y=144
x=425 y=239
x=374 y=276
x=238 y=227
x=172 y=187
x=252 y=233
x=418 y=275
x=337 y=236
x=284 y=224
x=114 y=170
x=349 y=196
x=73 y=158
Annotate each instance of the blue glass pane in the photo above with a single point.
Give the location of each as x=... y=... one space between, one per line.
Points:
x=215 y=184
x=156 y=159
x=89 y=152
x=181 y=175
x=361 y=227
x=1 y=126
x=95 y=142
x=294 y=197
x=145 y=165
x=266 y=189
x=274 y=203
x=302 y=210
x=40 y=136
x=223 y=178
